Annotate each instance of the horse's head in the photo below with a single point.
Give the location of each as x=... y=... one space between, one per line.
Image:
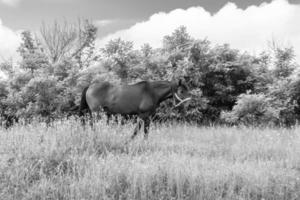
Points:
x=180 y=93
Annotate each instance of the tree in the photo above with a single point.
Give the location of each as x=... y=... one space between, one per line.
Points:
x=7 y=68
x=55 y=67
x=146 y=50
x=31 y=53
x=69 y=40
x=121 y=55
x=221 y=75
x=85 y=53
x=28 y=45
x=179 y=39
x=283 y=59
x=284 y=65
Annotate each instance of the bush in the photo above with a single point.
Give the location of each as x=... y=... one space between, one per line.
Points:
x=252 y=109
x=48 y=84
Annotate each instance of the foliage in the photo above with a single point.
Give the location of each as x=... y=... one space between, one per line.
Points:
x=252 y=109
x=62 y=59
x=178 y=40
x=69 y=41
x=120 y=54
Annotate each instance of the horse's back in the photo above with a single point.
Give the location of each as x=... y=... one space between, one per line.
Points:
x=130 y=99
x=122 y=99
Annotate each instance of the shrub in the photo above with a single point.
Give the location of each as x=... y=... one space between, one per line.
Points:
x=252 y=109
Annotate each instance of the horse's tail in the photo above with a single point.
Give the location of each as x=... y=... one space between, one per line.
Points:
x=83 y=104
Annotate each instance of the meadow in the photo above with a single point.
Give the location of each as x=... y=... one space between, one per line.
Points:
x=178 y=161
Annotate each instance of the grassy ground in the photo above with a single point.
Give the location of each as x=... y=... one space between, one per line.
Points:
x=176 y=162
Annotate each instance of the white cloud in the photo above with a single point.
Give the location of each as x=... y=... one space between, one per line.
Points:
x=105 y=22
x=10 y=2
x=9 y=42
x=248 y=29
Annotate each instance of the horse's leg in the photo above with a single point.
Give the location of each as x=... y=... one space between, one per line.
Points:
x=91 y=120
x=82 y=120
x=137 y=128
x=48 y=121
x=116 y=119
x=147 y=120
x=146 y=127
x=108 y=118
x=85 y=115
x=98 y=116
x=125 y=119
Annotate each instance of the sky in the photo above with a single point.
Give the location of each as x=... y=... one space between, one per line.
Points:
x=247 y=25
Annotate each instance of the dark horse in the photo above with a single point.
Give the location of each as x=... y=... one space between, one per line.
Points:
x=140 y=99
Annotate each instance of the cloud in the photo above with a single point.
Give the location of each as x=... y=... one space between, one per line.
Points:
x=9 y=42
x=247 y=29
x=10 y=2
x=105 y=22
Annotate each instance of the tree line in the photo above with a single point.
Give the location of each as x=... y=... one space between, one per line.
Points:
x=227 y=86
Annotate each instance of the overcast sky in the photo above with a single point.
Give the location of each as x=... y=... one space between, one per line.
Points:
x=245 y=24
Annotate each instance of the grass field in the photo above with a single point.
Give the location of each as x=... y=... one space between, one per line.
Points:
x=176 y=162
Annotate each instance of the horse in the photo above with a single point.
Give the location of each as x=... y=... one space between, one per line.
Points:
x=140 y=99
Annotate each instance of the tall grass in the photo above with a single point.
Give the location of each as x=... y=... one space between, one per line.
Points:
x=66 y=161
